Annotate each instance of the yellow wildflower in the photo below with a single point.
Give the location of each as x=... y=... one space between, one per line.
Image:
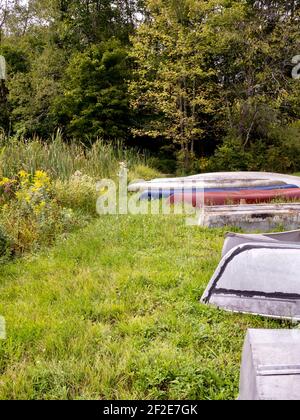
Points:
x=41 y=180
x=40 y=207
x=4 y=181
x=23 y=174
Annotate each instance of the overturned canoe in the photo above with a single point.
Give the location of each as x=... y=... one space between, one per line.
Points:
x=254 y=217
x=233 y=240
x=270 y=367
x=159 y=193
x=260 y=278
x=203 y=184
x=218 y=180
x=235 y=197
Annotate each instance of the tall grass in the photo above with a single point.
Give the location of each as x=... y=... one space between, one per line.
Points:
x=62 y=160
x=31 y=218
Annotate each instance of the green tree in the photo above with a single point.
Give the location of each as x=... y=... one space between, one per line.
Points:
x=213 y=69
x=172 y=86
x=44 y=43
x=95 y=100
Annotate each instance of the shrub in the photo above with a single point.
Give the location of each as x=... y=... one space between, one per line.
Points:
x=79 y=193
x=31 y=215
x=279 y=152
x=230 y=156
x=143 y=172
x=164 y=165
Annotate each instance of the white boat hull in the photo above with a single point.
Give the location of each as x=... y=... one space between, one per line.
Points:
x=217 y=180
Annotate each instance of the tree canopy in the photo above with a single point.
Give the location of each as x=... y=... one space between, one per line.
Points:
x=213 y=82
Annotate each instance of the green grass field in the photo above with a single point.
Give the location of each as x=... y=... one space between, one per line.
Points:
x=113 y=312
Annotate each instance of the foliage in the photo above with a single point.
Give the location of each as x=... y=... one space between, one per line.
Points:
x=55 y=191
x=171 y=88
x=205 y=73
x=30 y=213
x=187 y=74
x=143 y=172
x=62 y=160
x=94 y=100
x=79 y=193
x=279 y=152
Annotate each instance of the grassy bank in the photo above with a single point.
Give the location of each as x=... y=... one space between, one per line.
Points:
x=48 y=189
x=113 y=312
x=112 y=309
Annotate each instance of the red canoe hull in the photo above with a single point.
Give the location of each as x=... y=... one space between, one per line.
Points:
x=235 y=197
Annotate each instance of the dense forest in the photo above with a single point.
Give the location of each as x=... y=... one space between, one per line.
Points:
x=203 y=84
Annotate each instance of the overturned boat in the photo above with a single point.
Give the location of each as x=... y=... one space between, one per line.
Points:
x=232 y=240
x=258 y=217
x=177 y=194
x=217 y=180
x=258 y=274
x=271 y=366
x=196 y=199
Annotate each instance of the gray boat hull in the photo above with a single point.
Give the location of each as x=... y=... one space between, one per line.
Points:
x=235 y=239
x=259 y=279
x=271 y=366
x=251 y=218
